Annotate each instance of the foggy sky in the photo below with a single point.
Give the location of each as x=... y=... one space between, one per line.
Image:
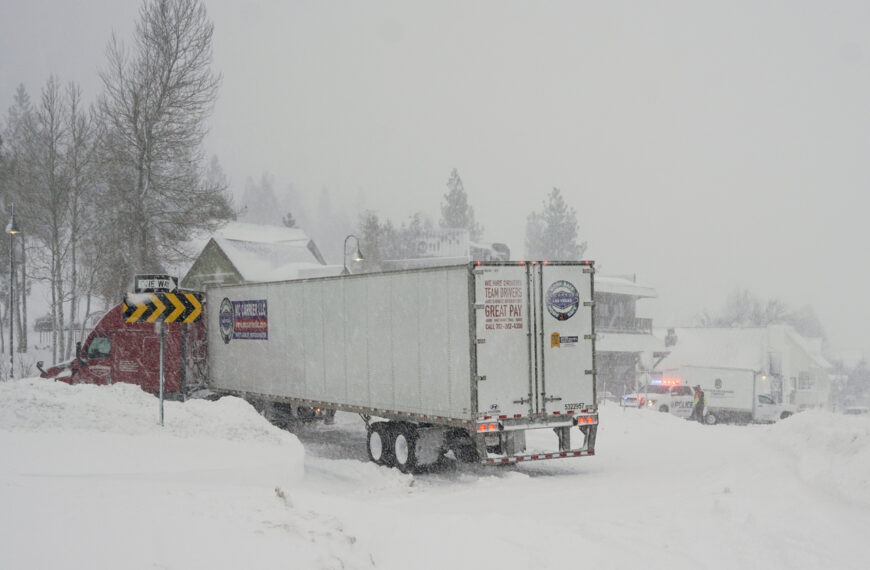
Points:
x=705 y=147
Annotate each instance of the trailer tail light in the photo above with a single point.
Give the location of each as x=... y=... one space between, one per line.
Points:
x=487 y=427
x=586 y=420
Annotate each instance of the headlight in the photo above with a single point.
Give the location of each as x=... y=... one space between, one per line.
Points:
x=650 y=403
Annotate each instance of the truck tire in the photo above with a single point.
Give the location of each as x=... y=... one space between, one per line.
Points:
x=405 y=448
x=784 y=415
x=710 y=419
x=378 y=443
x=663 y=408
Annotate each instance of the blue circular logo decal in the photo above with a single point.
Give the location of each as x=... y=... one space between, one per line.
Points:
x=562 y=300
x=226 y=320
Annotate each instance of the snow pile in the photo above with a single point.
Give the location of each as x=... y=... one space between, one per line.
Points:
x=89 y=479
x=38 y=405
x=832 y=452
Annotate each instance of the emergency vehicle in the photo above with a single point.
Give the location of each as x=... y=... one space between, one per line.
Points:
x=664 y=395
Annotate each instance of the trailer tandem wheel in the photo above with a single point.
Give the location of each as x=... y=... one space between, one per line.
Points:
x=405 y=447
x=379 y=443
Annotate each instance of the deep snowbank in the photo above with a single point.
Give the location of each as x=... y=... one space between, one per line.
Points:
x=831 y=451
x=36 y=404
x=89 y=479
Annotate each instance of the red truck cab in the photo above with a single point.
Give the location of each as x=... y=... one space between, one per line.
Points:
x=118 y=351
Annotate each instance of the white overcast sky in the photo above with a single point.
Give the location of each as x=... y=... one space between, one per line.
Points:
x=705 y=146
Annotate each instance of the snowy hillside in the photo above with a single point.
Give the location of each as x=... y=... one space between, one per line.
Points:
x=89 y=480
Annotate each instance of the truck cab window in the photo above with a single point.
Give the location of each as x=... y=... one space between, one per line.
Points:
x=99 y=347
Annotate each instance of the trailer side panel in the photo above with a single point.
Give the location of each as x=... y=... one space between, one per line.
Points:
x=387 y=341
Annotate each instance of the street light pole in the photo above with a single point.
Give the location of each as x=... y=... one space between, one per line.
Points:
x=359 y=256
x=12 y=230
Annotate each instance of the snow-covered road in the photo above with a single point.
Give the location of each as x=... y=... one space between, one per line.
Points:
x=88 y=480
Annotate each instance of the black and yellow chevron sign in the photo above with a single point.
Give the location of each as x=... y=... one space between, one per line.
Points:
x=165 y=307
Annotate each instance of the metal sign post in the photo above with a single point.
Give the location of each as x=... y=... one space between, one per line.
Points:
x=162 y=326
x=162 y=307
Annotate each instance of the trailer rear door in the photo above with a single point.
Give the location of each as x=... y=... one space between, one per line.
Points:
x=565 y=378
x=503 y=340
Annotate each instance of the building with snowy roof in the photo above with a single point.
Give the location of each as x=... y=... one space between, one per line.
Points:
x=795 y=365
x=244 y=253
x=625 y=347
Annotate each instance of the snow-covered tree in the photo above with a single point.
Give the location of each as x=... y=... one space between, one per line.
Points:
x=382 y=240
x=156 y=100
x=375 y=239
x=552 y=233
x=743 y=309
x=52 y=185
x=455 y=211
x=259 y=202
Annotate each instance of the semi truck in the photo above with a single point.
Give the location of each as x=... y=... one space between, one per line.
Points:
x=490 y=361
x=738 y=395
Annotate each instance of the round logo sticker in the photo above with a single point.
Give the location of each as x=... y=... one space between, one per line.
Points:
x=225 y=318
x=562 y=300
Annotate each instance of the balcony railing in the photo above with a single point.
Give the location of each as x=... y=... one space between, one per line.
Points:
x=627 y=326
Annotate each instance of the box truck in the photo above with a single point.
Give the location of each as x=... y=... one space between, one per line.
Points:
x=466 y=359
x=737 y=395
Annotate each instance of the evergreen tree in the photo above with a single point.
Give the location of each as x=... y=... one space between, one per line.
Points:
x=552 y=233
x=375 y=240
x=455 y=211
x=260 y=203
x=382 y=241
x=330 y=227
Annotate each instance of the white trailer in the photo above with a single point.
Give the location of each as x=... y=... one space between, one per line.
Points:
x=467 y=358
x=733 y=394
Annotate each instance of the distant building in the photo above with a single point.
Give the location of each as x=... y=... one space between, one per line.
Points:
x=797 y=370
x=242 y=253
x=448 y=246
x=625 y=348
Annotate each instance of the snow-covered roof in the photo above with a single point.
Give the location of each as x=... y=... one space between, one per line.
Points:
x=739 y=347
x=258 y=233
x=266 y=253
x=731 y=347
x=622 y=286
x=268 y=261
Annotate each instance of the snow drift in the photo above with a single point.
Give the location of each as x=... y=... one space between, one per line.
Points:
x=89 y=480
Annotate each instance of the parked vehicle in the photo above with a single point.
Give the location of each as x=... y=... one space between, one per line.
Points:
x=664 y=396
x=466 y=359
x=633 y=400
x=733 y=394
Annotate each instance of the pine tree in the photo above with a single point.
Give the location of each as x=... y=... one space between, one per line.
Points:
x=260 y=203
x=455 y=211
x=375 y=240
x=552 y=233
